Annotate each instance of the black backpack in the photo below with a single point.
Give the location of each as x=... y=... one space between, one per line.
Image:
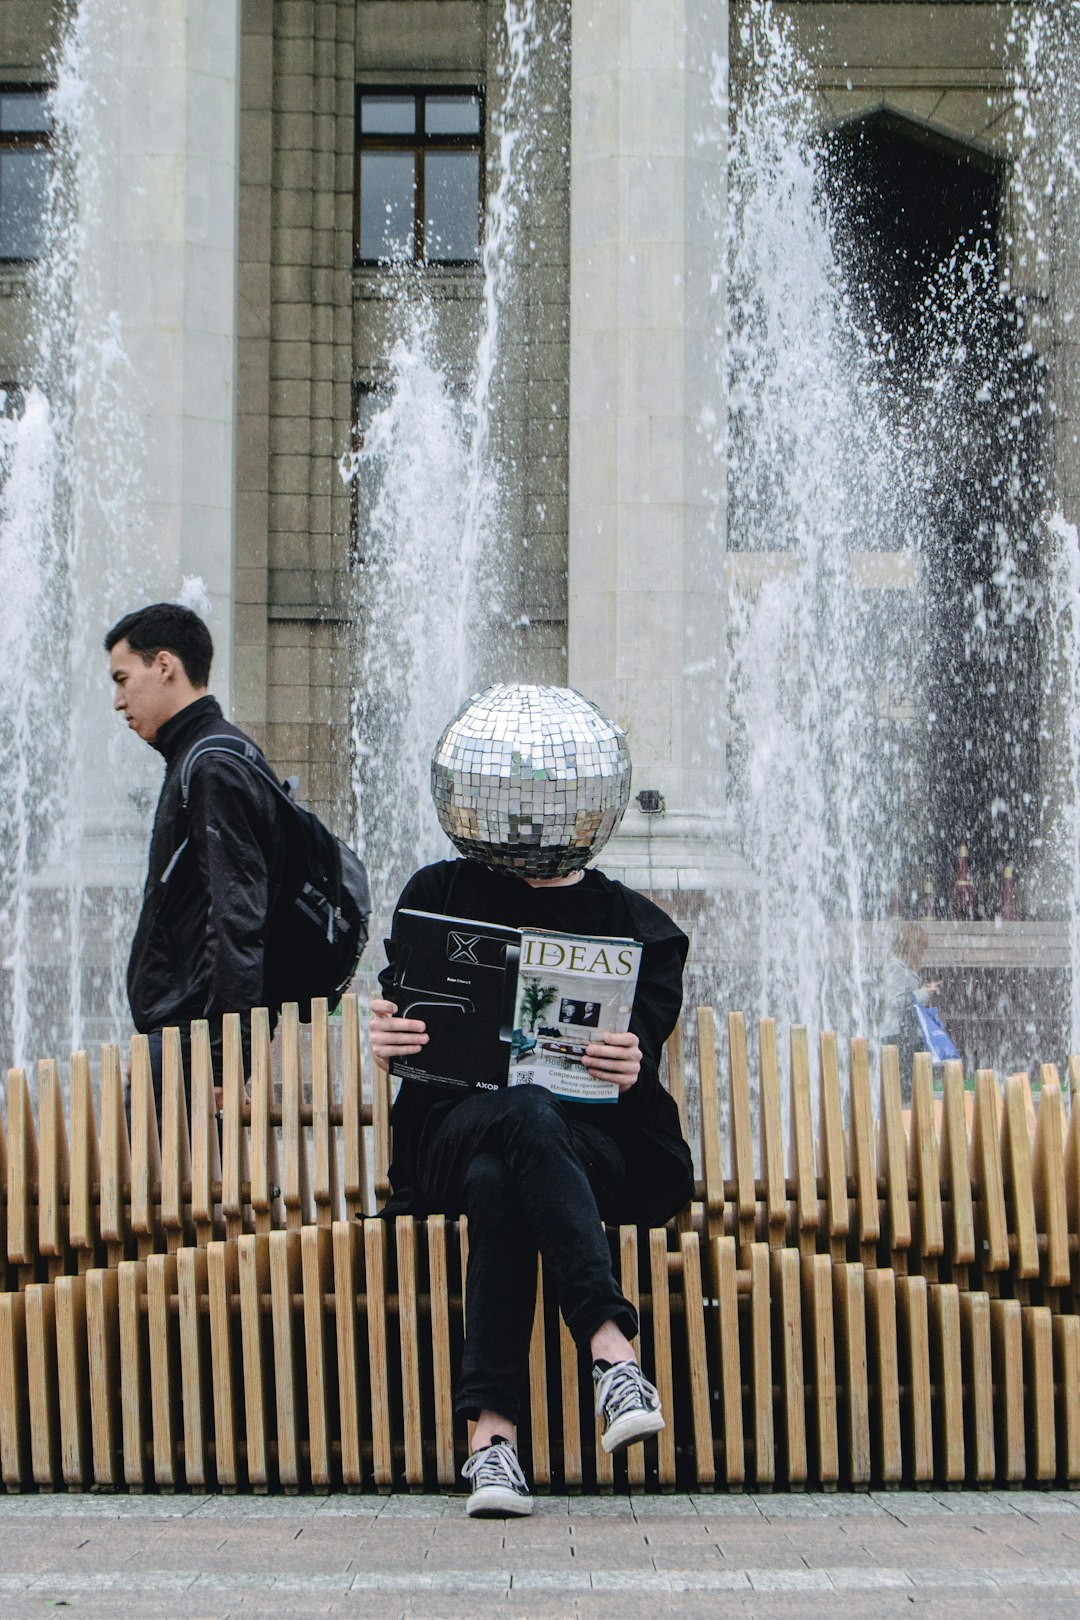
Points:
x=319 y=922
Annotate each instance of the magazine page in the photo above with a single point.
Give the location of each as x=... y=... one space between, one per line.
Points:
x=571 y=989
x=459 y=977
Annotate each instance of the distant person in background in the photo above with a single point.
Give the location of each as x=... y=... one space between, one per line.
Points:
x=901 y=988
x=214 y=869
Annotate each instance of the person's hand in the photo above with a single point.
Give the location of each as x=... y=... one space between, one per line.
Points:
x=393 y=1037
x=616 y=1058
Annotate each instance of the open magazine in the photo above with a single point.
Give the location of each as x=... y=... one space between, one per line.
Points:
x=571 y=989
x=505 y=1006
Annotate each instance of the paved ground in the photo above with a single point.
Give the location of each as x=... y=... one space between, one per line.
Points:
x=866 y=1557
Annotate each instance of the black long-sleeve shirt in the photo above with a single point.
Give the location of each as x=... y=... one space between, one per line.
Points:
x=645 y=1120
x=199 y=946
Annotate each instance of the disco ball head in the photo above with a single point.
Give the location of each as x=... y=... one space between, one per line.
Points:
x=530 y=779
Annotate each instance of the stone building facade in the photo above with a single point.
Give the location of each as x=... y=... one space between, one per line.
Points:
x=263 y=351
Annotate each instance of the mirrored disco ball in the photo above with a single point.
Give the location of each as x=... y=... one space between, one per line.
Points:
x=531 y=778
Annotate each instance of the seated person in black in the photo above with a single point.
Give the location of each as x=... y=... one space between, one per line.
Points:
x=531 y=1171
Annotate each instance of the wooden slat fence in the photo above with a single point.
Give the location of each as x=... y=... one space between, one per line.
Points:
x=891 y=1296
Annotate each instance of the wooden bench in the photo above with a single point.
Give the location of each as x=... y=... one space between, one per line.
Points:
x=882 y=1297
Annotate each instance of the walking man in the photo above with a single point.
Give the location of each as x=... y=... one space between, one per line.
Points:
x=215 y=865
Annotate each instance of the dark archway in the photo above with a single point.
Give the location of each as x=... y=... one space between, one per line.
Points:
x=917 y=217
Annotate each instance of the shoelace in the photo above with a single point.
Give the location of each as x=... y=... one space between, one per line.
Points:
x=495 y=1465
x=623 y=1386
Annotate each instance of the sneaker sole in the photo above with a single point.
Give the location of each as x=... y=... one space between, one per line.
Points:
x=498 y=1502
x=634 y=1426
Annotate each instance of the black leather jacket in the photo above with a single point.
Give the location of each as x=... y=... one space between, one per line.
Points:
x=198 y=949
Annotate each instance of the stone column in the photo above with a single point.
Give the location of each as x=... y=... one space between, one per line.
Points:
x=647 y=416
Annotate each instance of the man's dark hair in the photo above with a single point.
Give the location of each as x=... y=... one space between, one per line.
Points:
x=167 y=627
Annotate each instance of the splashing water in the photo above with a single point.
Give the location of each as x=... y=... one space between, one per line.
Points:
x=432 y=485
x=817 y=660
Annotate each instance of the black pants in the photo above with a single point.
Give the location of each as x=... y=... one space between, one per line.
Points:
x=530 y=1178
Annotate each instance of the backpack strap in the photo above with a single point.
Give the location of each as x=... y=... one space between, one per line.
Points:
x=238 y=748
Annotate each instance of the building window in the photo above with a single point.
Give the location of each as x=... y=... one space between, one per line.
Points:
x=25 y=139
x=419 y=175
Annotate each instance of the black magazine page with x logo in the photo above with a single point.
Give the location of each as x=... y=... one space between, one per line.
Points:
x=460 y=978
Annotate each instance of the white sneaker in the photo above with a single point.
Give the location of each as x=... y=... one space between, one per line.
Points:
x=627 y=1405
x=499 y=1490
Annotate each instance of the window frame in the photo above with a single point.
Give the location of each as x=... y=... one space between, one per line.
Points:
x=420 y=143
x=25 y=140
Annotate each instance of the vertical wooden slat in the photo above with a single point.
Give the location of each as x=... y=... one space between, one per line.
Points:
x=317 y=1269
x=712 y=1162
x=728 y=1361
x=73 y=1380
x=378 y=1352
x=1017 y=1178
x=234 y=1156
x=832 y=1155
x=205 y=1153
x=352 y=1109
x=289 y=1396
x=801 y=1152
x=892 y=1160
x=345 y=1241
x=772 y=1141
x=293 y=1136
x=261 y=1145
x=103 y=1375
x=438 y=1289
x=628 y=1281
x=85 y=1158
x=676 y=1073
x=571 y=1410
x=409 y=1339
x=820 y=1334
x=661 y=1334
x=924 y=1169
x=947 y=1374
x=955 y=1155
x=914 y=1342
x=1006 y=1340
x=761 y=1363
x=978 y=1386
x=789 y=1360
x=1038 y=1336
x=134 y=1370
x=539 y=1413
x=175 y=1142
x=253 y=1255
x=863 y=1156
x=54 y=1165
x=43 y=1392
x=697 y=1358
x=115 y=1157
x=849 y=1314
x=324 y=1153
x=1067 y=1379
x=22 y=1172
x=380 y=1118
x=194 y=1354
x=992 y=1227
x=164 y=1369
x=883 y=1358
x=14 y=1392
x=1048 y=1171
x=145 y=1150
x=223 y=1288
x=742 y=1133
